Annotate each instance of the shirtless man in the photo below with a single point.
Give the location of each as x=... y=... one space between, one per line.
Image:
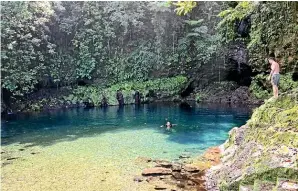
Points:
x=274 y=76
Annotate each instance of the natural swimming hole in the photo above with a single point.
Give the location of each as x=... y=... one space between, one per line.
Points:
x=98 y=149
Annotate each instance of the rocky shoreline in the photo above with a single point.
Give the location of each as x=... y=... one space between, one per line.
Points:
x=261 y=155
x=185 y=174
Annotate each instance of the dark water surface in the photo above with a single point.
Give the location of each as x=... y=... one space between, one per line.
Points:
x=202 y=124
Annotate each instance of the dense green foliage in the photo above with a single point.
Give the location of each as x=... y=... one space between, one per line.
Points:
x=162 y=88
x=54 y=44
x=166 y=86
x=25 y=45
x=261 y=87
x=57 y=44
x=273 y=33
x=184 y=7
x=226 y=27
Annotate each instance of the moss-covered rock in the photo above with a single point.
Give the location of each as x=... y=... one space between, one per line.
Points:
x=263 y=150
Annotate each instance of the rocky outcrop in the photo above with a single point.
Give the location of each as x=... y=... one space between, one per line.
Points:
x=227 y=92
x=183 y=175
x=261 y=153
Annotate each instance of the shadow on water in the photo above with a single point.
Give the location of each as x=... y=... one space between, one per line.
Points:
x=203 y=124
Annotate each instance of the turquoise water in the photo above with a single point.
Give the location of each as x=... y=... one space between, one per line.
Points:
x=131 y=127
x=104 y=149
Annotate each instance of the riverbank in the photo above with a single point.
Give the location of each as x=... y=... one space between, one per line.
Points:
x=93 y=96
x=88 y=97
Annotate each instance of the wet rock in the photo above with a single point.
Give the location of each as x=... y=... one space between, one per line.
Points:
x=184 y=156
x=160 y=186
x=164 y=177
x=157 y=161
x=150 y=179
x=164 y=164
x=143 y=159
x=177 y=175
x=176 y=167
x=12 y=158
x=191 y=168
x=156 y=171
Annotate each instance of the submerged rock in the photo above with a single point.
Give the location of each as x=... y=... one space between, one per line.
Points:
x=184 y=156
x=143 y=159
x=164 y=164
x=13 y=158
x=156 y=171
x=138 y=179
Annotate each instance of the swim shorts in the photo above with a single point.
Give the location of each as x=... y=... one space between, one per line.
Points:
x=275 y=79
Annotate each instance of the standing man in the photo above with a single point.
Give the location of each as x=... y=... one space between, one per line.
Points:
x=274 y=76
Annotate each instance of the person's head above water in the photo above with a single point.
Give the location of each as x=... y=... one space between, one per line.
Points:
x=168 y=125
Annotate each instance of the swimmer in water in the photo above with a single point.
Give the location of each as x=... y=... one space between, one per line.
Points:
x=168 y=125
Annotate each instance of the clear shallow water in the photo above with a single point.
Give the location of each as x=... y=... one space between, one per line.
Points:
x=96 y=149
x=198 y=127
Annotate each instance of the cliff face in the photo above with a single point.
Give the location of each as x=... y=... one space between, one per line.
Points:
x=263 y=154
